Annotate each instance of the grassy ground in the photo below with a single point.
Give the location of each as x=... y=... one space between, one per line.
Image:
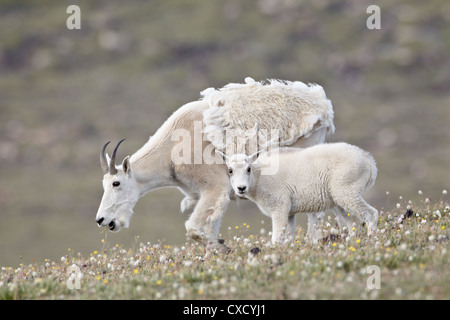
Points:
x=410 y=250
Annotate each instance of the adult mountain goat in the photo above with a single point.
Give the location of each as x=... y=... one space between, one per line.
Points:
x=301 y=114
x=321 y=177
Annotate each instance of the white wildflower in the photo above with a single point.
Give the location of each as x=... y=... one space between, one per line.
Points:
x=137 y=263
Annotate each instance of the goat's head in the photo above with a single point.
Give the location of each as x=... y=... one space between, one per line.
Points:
x=120 y=192
x=240 y=169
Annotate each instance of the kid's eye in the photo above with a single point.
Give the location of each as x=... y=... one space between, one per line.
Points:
x=249 y=169
x=230 y=171
x=116 y=183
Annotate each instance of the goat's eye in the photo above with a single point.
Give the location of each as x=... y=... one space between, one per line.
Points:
x=249 y=169
x=116 y=183
x=230 y=171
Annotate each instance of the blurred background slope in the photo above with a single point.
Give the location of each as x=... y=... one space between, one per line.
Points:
x=64 y=93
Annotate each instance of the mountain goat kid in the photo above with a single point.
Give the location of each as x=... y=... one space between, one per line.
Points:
x=311 y=180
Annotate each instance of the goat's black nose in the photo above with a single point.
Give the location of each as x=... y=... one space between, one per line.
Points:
x=242 y=188
x=112 y=225
x=99 y=221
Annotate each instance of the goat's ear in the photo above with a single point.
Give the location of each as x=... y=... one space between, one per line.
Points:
x=252 y=158
x=126 y=164
x=108 y=159
x=223 y=155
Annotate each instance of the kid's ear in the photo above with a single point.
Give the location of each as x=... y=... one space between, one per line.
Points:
x=252 y=158
x=126 y=164
x=223 y=155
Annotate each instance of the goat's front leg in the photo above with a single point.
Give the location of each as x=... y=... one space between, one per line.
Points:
x=280 y=219
x=314 y=232
x=188 y=204
x=204 y=223
x=291 y=224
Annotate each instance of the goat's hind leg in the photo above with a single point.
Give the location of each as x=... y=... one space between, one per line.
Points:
x=359 y=208
x=344 y=222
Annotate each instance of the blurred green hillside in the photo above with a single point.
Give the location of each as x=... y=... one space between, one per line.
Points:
x=64 y=93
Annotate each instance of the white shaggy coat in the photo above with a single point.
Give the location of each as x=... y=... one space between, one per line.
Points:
x=294 y=109
x=321 y=177
x=206 y=186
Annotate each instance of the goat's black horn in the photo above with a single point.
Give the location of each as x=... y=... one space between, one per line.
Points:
x=103 y=162
x=112 y=164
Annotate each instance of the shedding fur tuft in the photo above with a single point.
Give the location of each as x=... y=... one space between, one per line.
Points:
x=294 y=109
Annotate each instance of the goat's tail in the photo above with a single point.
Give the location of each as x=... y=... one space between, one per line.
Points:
x=373 y=171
